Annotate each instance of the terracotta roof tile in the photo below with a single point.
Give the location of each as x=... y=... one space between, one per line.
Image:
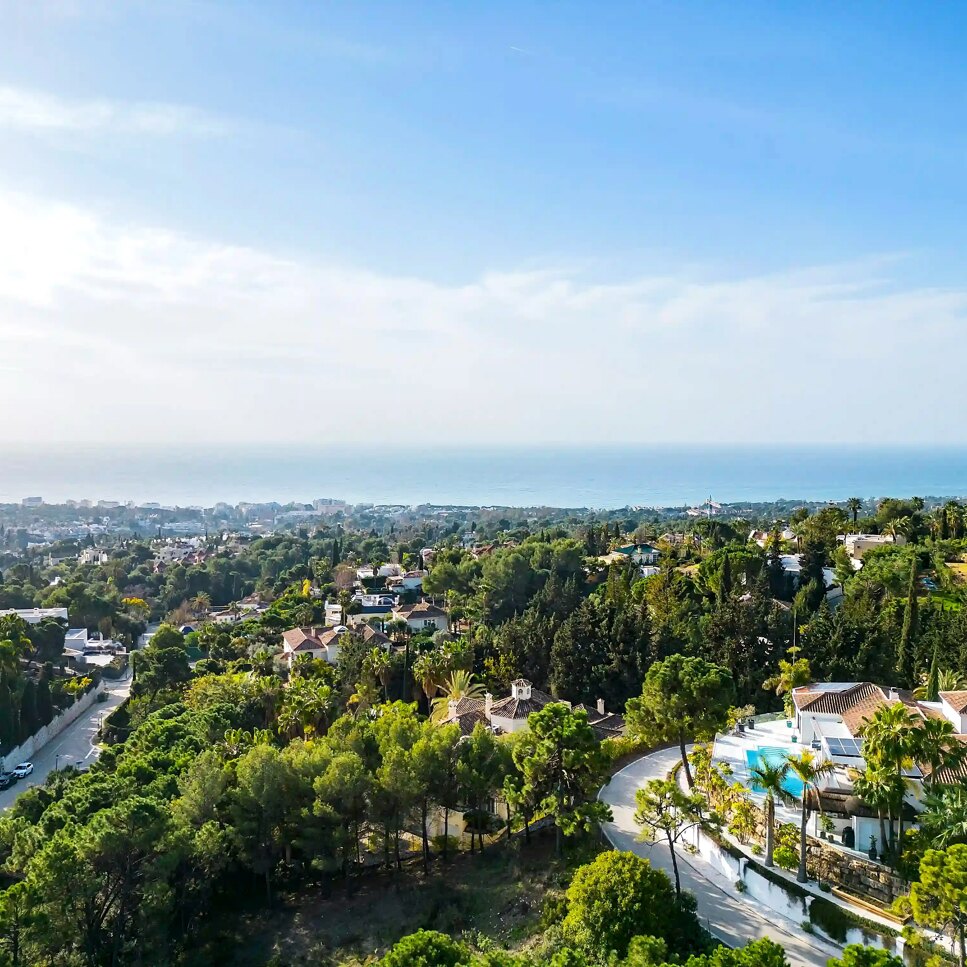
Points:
x=835 y=703
x=956 y=700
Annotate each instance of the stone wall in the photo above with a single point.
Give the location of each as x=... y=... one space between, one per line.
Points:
x=853 y=873
x=847 y=870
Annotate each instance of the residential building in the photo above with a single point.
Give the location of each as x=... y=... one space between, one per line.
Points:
x=829 y=719
x=93 y=555
x=792 y=566
x=606 y=725
x=34 y=616
x=640 y=553
x=407 y=581
x=858 y=544
x=422 y=616
x=316 y=642
x=762 y=538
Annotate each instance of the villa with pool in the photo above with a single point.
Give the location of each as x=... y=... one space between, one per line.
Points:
x=828 y=720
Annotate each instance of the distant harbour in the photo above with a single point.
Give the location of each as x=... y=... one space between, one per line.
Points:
x=592 y=476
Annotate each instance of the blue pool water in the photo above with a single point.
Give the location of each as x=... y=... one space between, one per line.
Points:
x=772 y=756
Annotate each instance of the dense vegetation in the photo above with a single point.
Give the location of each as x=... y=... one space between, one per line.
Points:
x=234 y=780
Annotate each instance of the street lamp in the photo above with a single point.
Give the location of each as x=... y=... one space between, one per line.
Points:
x=56 y=761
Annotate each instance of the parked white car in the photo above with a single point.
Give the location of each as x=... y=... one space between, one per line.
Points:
x=23 y=770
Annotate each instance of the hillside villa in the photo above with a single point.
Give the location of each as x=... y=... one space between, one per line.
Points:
x=324 y=642
x=510 y=714
x=828 y=720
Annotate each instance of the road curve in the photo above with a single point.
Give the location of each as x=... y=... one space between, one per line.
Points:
x=733 y=917
x=75 y=746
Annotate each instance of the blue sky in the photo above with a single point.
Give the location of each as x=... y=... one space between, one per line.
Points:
x=516 y=221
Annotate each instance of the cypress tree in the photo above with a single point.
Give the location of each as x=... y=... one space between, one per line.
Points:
x=8 y=720
x=906 y=652
x=933 y=681
x=28 y=710
x=45 y=704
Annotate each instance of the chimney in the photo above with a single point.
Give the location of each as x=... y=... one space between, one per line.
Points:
x=894 y=694
x=488 y=701
x=452 y=706
x=600 y=706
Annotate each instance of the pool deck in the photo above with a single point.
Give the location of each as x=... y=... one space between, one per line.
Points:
x=732 y=748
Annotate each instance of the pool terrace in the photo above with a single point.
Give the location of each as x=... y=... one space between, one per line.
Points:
x=770 y=739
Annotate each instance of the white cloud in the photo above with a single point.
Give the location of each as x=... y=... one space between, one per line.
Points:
x=30 y=110
x=110 y=330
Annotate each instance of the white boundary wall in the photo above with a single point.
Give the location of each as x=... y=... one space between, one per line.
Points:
x=42 y=736
x=772 y=895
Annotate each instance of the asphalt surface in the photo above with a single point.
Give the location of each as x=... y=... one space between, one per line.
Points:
x=732 y=917
x=75 y=746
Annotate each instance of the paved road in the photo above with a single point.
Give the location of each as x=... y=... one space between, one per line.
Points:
x=74 y=746
x=734 y=918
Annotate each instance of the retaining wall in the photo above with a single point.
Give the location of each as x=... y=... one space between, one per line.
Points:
x=791 y=902
x=26 y=751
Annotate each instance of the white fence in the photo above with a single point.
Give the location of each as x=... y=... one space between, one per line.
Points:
x=58 y=723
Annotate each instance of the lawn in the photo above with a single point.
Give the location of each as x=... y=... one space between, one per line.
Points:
x=498 y=895
x=959 y=570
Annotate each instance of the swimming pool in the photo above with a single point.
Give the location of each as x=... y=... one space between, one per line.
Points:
x=773 y=756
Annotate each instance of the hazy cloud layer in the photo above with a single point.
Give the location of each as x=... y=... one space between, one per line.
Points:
x=114 y=332
x=29 y=110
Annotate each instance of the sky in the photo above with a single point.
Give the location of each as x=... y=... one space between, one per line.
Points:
x=459 y=224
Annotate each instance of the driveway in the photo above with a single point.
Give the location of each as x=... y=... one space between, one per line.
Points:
x=733 y=918
x=74 y=746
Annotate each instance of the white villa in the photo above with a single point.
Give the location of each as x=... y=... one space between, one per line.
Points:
x=828 y=720
x=423 y=616
x=858 y=544
x=324 y=642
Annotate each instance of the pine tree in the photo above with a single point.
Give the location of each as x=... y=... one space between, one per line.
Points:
x=906 y=652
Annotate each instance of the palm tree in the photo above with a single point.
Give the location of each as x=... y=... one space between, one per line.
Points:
x=874 y=789
x=459 y=685
x=769 y=777
x=944 y=818
x=379 y=665
x=951 y=681
x=936 y=744
x=791 y=675
x=302 y=666
x=809 y=771
x=263 y=662
x=854 y=505
x=427 y=670
x=889 y=743
x=345 y=599
x=947 y=681
x=898 y=527
x=307 y=707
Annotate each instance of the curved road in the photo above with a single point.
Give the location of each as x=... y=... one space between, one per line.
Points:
x=75 y=746
x=733 y=918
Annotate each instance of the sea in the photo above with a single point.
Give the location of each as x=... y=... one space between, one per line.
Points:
x=517 y=476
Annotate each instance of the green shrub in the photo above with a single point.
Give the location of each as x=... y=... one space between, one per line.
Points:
x=553 y=909
x=786 y=858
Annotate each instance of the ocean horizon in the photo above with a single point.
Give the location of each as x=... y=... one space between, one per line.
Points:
x=556 y=476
